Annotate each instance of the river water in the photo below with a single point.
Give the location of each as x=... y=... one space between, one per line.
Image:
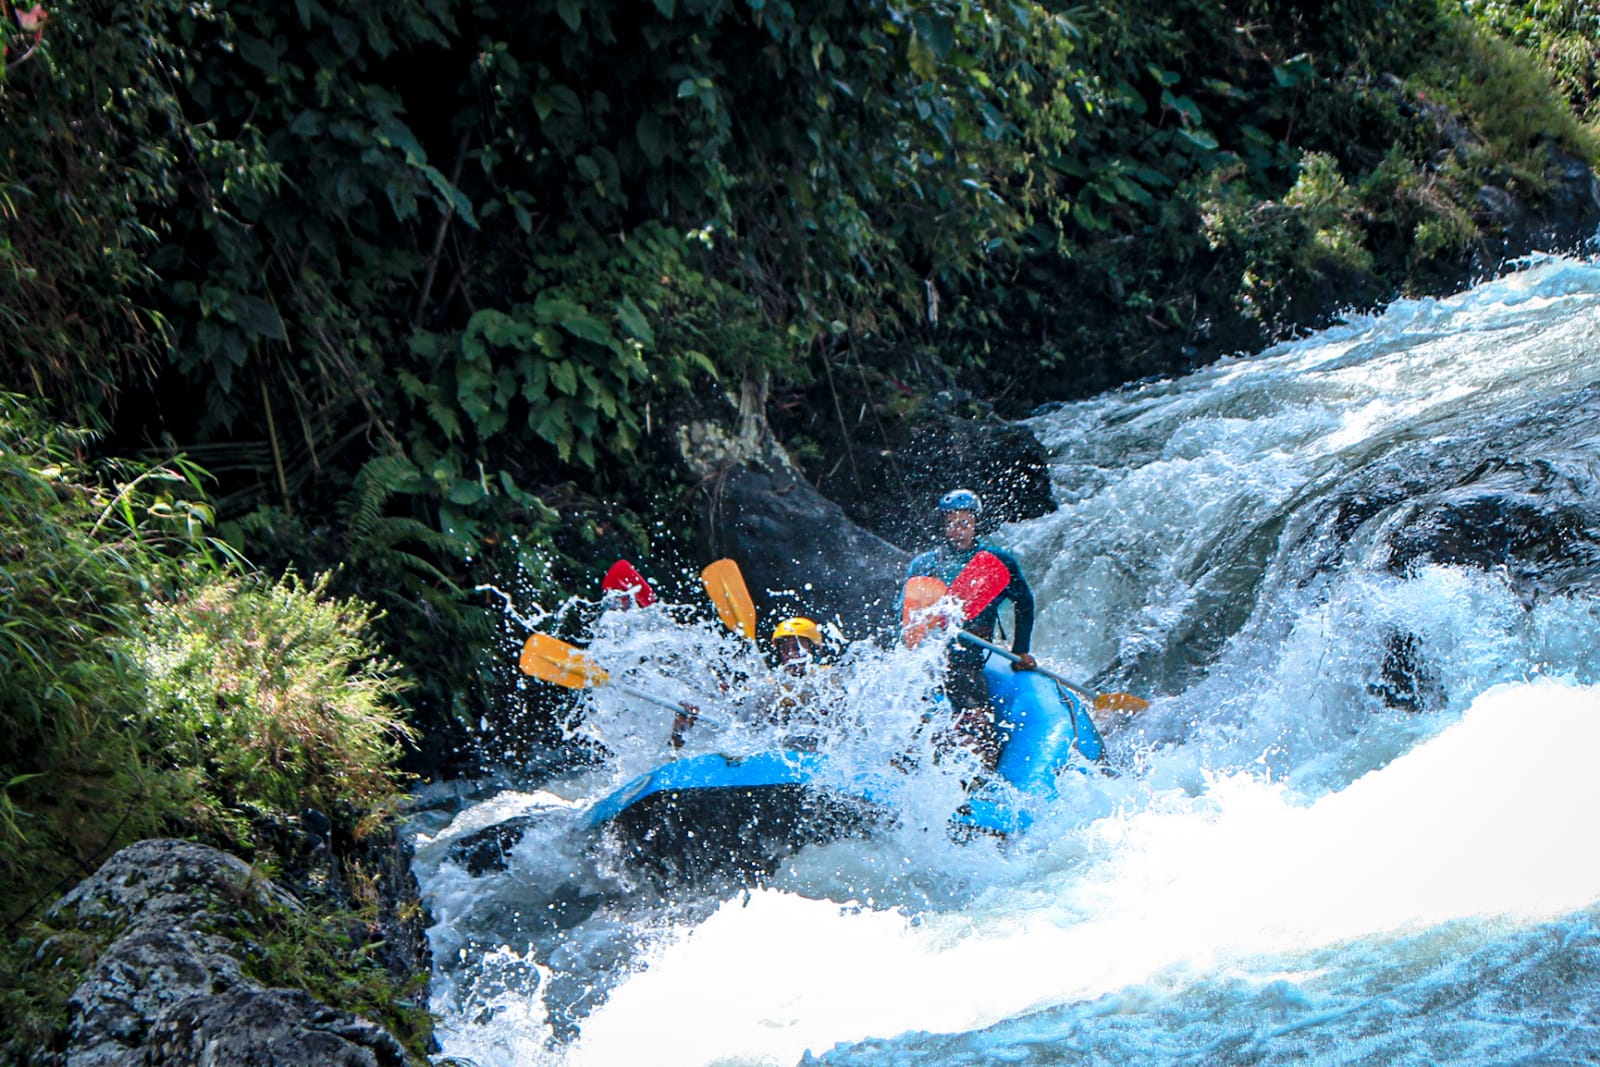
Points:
x=1357 y=576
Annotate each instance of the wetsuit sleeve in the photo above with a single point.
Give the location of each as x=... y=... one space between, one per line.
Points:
x=1022 y=602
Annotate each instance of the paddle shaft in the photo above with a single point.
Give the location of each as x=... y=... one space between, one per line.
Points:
x=971 y=638
x=634 y=691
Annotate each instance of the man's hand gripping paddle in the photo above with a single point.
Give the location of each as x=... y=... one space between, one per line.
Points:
x=551 y=659
x=725 y=585
x=973 y=590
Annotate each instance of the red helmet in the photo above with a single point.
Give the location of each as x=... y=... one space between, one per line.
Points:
x=624 y=580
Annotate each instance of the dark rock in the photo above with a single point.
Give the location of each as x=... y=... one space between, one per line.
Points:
x=801 y=554
x=143 y=973
x=268 y=1028
x=486 y=850
x=1563 y=217
x=401 y=932
x=1406 y=679
x=891 y=485
x=156 y=883
x=168 y=988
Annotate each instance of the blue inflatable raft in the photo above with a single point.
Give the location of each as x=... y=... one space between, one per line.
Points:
x=694 y=815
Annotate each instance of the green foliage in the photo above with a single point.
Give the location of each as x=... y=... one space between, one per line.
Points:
x=83 y=548
x=328 y=953
x=1236 y=171
x=1327 y=207
x=146 y=687
x=80 y=185
x=406 y=275
x=1507 y=98
x=1564 y=33
x=267 y=697
x=607 y=330
x=38 y=973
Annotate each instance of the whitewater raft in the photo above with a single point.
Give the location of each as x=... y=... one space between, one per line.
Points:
x=743 y=814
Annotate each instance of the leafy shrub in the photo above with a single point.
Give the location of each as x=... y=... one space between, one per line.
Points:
x=268 y=696
x=146 y=686
x=80 y=548
x=1565 y=33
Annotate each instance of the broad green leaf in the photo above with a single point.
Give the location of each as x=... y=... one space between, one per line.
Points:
x=309 y=123
x=466 y=491
x=652 y=138
x=535 y=380
x=564 y=376
x=453 y=196
x=936 y=31
x=258 y=53
x=566 y=101
x=572 y=317
x=472 y=390
x=256 y=316
x=634 y=321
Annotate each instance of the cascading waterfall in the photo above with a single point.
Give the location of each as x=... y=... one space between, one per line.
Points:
x=1356 y=574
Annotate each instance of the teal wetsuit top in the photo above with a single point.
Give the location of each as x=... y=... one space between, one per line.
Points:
x=945 y=563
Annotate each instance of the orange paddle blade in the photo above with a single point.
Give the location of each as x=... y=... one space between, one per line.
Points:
x=921 y=593
x=553 y=660
x=1124 y=703
x=725 y=585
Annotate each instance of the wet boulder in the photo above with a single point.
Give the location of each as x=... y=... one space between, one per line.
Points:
x=269 y=1027
x=1561 y=217
x=169 y=987
x=891 y=483
x=801 y=554
x=488 y=850
x=836 y=548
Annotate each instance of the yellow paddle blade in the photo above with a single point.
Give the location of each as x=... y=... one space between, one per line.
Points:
x=726 y=587
x=553 y=660
x=921 y=593
x=1126 y=703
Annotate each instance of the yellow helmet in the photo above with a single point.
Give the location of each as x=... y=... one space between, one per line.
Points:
x=800 y=627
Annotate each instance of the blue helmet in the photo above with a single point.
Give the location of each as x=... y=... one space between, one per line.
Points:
x=961 y=500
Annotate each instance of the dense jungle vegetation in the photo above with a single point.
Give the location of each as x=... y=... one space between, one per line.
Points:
x=384 y=301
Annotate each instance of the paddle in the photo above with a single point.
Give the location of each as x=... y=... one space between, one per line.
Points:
x=623 y=578
x=725 y=585
x=921 y=593
x=979 y=583
x=551 y=659
x=1126 y=703
x=983 y=578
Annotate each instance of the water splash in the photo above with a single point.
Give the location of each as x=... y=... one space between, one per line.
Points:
x=1354 y=827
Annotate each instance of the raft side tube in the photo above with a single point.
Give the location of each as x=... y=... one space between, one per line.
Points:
x=1045 y=729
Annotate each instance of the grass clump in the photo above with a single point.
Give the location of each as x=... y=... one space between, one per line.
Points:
x=38 y=972
x=267 y=698
x=79 y=551
x=335 y=955
x=150 y=686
